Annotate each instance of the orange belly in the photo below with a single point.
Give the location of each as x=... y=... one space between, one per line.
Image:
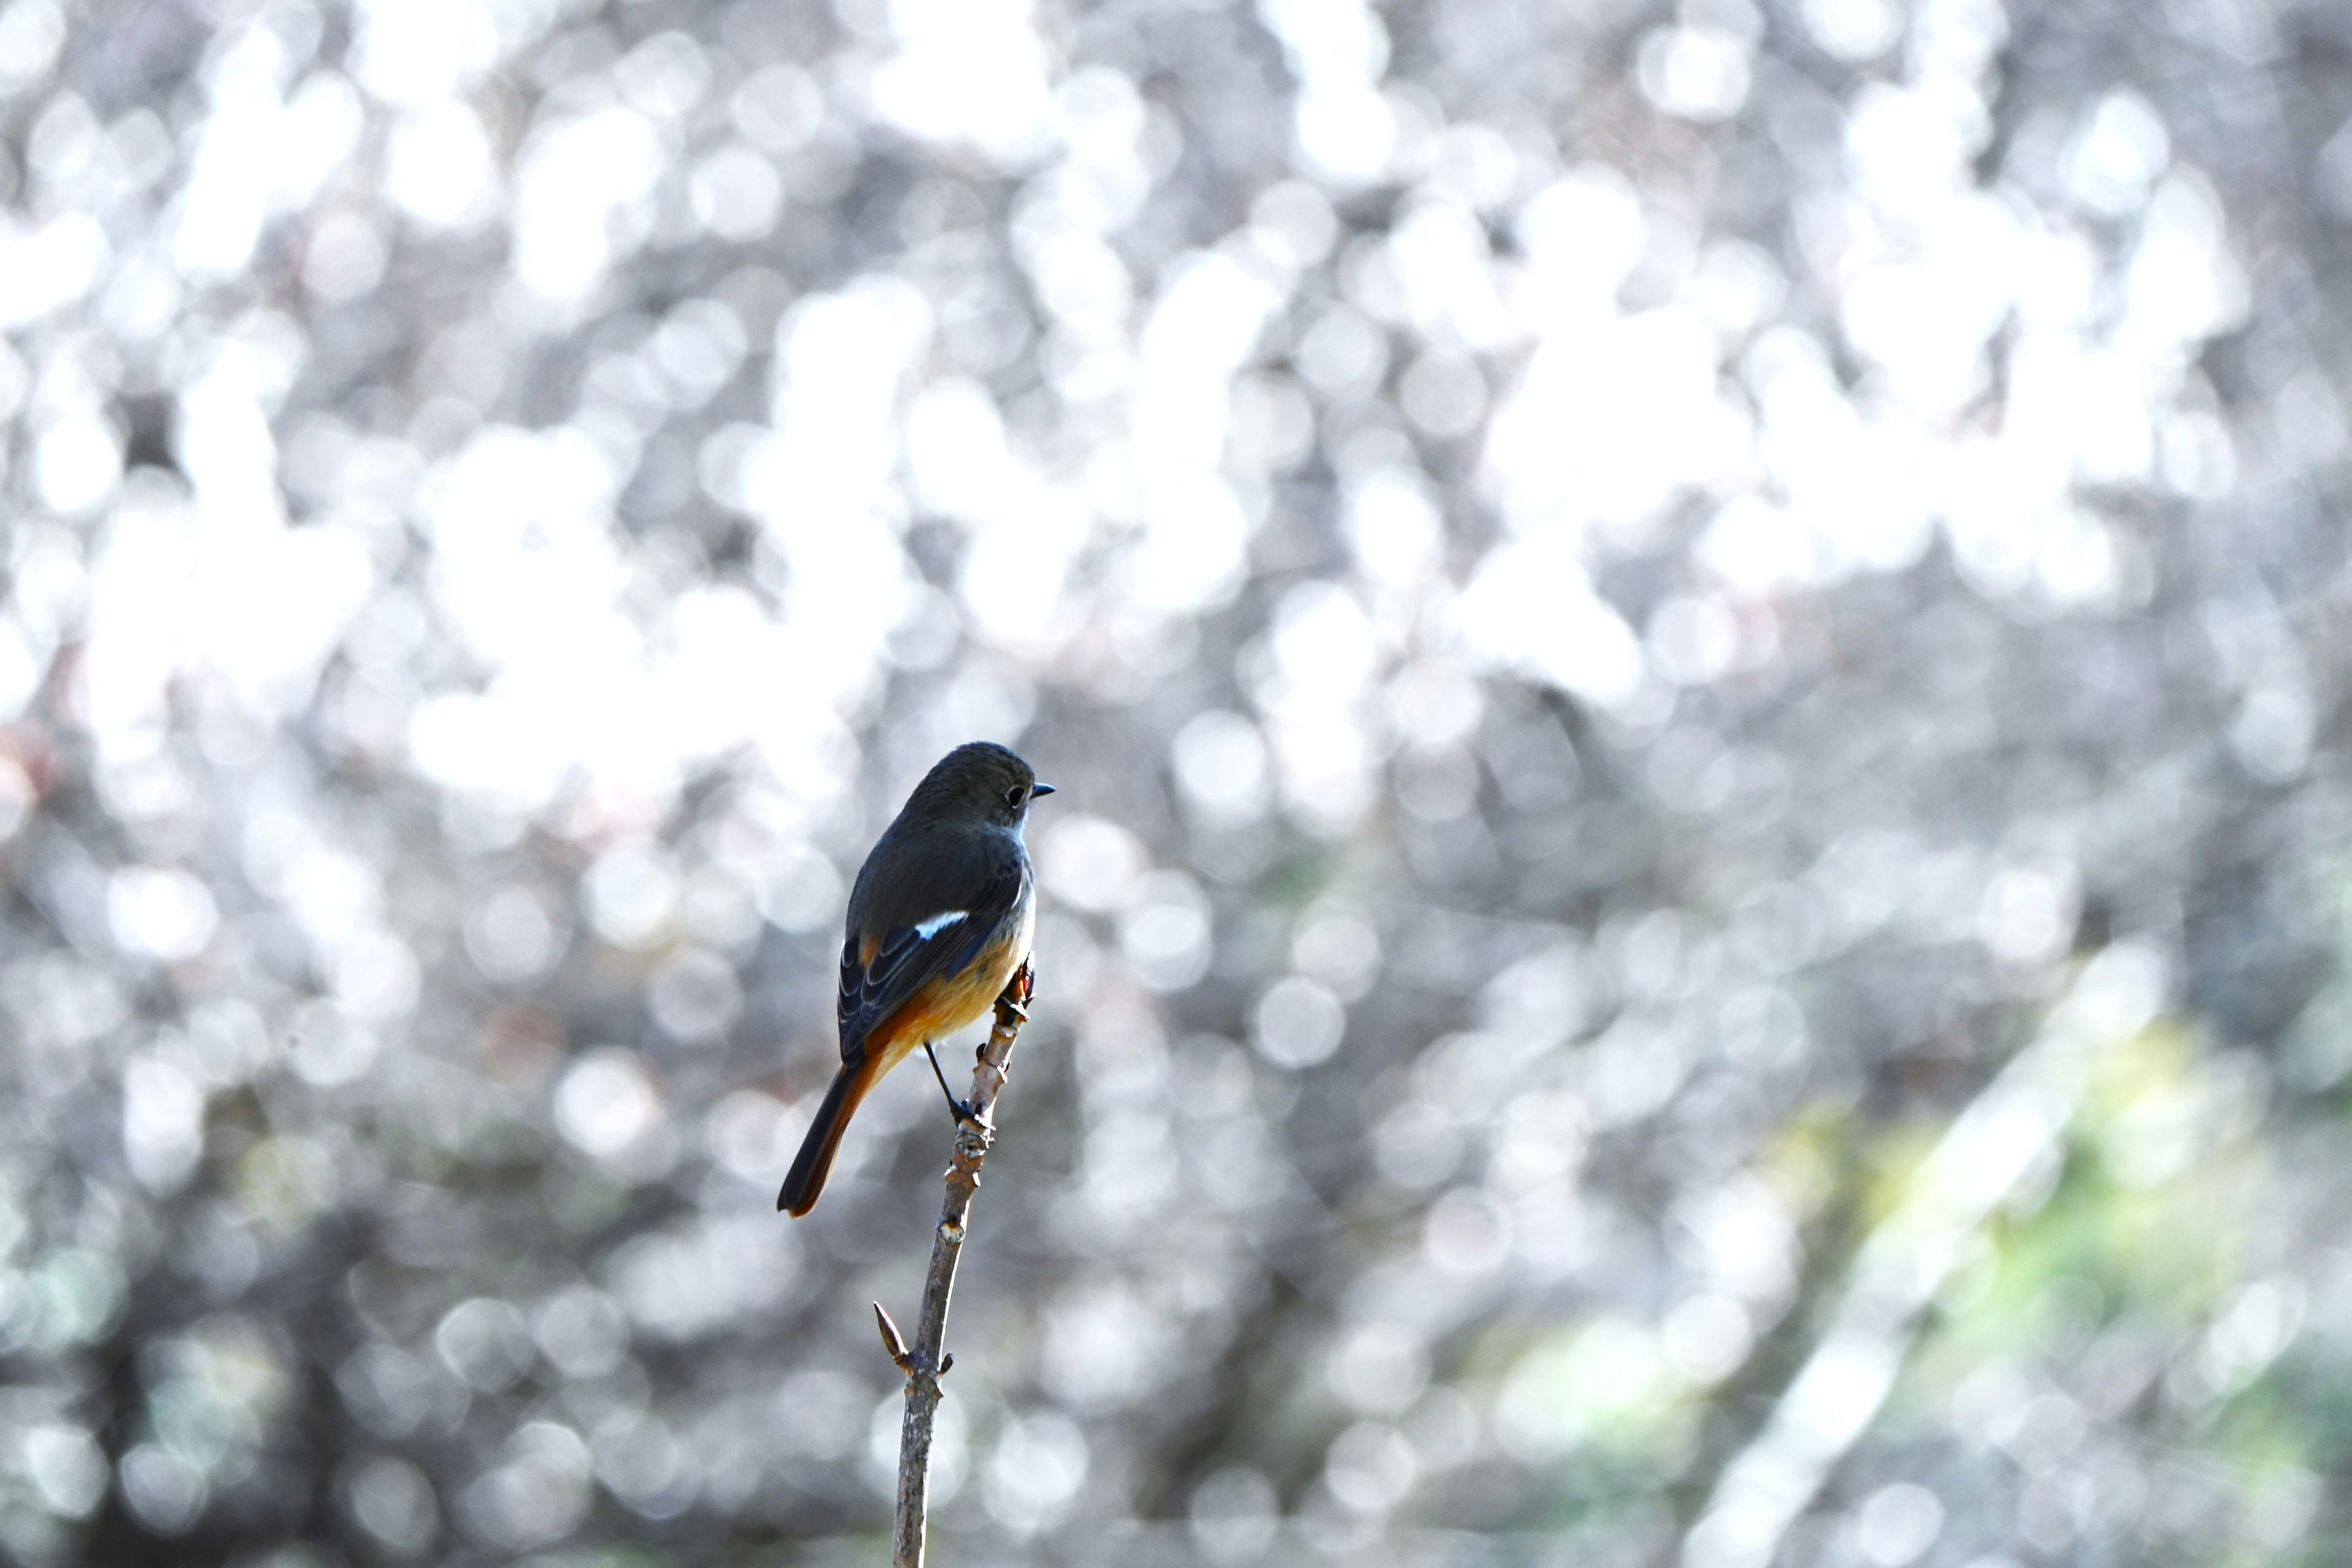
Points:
x=951 y=1002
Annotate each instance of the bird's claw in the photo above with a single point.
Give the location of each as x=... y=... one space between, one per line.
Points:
x=959 y=1109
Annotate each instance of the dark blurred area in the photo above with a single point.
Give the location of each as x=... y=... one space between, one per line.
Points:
x=1696 y=912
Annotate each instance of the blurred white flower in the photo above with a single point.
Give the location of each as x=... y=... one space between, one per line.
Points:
x=1695 y=72
x=695 y=996
x=512 y=937
x=632 y=893
x=160 y=912
x=1033 y=1475
x=67 y=1469
x=1164 y=933
x=537 y=1494
x=1897 y=1524
x=1089 y=862
x=1297 y=1022
x=440 y=168
x=607 y=1103
x=1233 y=1514
x=392 y=1500
x=1221 y=763
x=164 y=1492
x=162 y=1122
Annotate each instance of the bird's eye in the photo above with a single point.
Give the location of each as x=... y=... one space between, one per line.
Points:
x=1016 y=796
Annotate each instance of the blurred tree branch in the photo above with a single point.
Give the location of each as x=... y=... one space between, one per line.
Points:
x=1744 y=1402
x=926 y=1363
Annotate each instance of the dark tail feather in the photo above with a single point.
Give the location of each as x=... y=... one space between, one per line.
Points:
x=814 y=1161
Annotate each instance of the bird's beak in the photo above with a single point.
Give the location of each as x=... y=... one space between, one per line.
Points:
x=1037 y=789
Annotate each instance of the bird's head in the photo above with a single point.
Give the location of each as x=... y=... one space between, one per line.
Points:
x=981 y=779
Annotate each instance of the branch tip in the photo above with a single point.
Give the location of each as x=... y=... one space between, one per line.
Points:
x=892 y=1340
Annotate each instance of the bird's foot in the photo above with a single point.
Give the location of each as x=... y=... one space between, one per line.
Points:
x=959 y=1109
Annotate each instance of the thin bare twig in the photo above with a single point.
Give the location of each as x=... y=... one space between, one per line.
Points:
x=926 y=1362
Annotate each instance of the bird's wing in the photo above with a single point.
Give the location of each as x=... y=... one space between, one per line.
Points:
x=881 y=971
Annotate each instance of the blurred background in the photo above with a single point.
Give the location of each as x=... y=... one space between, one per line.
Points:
x=1694 y=656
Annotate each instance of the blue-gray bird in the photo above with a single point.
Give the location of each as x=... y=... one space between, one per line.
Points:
x=939 y=922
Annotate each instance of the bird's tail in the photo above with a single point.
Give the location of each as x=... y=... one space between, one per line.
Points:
x=814 y=1161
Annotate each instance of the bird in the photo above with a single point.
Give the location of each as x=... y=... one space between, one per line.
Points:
x=939 y=922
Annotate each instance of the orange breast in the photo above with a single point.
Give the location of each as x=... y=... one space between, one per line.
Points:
x=952 y=1001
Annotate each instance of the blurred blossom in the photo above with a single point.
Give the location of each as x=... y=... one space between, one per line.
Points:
x=287 y=1182
x=510 y=937
x=801 y=892
x=1105 y=1346
x=754 y=1135
x=538 y=1492
x=393 y=1501
x=1036 y=1469
x=683 y=1284
x=162 y=1122
x=1369 y=1467
x=1594 y=1384
x=1164 y=935
x=67 y=1469
x=1089 y=862
x=1708 y=1337
x=608 y=1105
x=828 y=1410
x=1234 y=1515
x=581 y=1330
x=484 y=1342
x=632 y=893
x=2030 y=914
x=326 y=1049
x=1417 y=1144
x=1221 y=763
x=439 y=168
x=645 y=1466
x=1297 y=1022
x=1693 y=658
x=1380 y=1368
x=161 y=1489
x=972 y=75
x=1338 y=947
x=160 y=912
x=1896 y=1524
x=693 y=996
x=1698 y=72
x=1466 y=1232
x=1742 y=1238
x=1853 y=30
x=346 y=259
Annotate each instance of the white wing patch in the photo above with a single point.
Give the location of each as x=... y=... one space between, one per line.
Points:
x=938 y=923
